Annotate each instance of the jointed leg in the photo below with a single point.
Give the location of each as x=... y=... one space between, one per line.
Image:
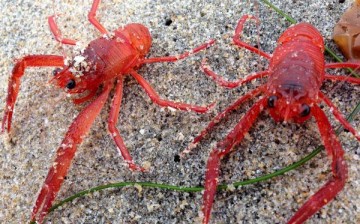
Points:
x=93 y=20
x=339 y=170
x=74 y=136
x=166 y=103
x=237 y=35
x=114 y=132
x=352 y=65
x=56 y=32
x=14 y=81
x=222 y=82
x=178 y=57
x=342 y=78
x=222 y=148
x=339 y=116
x=220 y=116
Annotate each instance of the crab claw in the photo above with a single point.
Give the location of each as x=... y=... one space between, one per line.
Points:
x=64 y=155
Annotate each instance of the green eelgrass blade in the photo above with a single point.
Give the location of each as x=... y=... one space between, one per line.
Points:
x=276 y=9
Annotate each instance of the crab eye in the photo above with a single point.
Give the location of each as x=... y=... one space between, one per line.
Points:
x=56 y=71
x=271 y=101
x=305 y=110
x=71 y=84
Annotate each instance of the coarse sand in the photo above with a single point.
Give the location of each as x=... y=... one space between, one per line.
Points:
x=154 y=135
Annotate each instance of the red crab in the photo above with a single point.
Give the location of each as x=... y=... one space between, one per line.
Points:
x=295 y=74
x=103 y=63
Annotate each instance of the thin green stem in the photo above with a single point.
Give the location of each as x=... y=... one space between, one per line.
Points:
x=276 y=9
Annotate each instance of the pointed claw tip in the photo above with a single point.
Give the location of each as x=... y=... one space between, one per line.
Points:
x=4 y=129
x=357 y=135
x=211 y=106
x=184 y=153
x=211 y=42
x=136 y=168
x=203 y=62
x=143 y=169
x=188 y=149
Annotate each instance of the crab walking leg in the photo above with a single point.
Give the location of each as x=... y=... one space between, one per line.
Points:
x=239 y=43
x=114 y=132
x=91 y=16
x=57 y=33
x=222 y=82
x=339 y=170
x=178 y=57
x=342 y=78
x=353 y=65
x=14 y=81
x=222 y=148
x=93 y=20
x=221 y=116
x=166 y=103
x=339 y=116
x=64 y=155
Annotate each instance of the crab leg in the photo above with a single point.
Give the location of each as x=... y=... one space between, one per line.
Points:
x=339 y=170
x=178 y=57
x=222 y=148
x=353 y=65
x=339 y=116
x=239 y=43
x=57 y=33
x=91 y=16
x=93 y=20
x=342 y=78
x=166 y=103
x=14 y=81
x=77 y=131
x=114 y=132
x=222 y=82
x=220 y=116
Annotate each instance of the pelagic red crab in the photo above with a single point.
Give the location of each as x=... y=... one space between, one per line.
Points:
x=292 y=93
x=101 y=65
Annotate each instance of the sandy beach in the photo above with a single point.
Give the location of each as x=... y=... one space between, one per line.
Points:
x=155 y=136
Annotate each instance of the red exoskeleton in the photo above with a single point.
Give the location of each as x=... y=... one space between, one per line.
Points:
x=103 y=63
x=295 y=74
